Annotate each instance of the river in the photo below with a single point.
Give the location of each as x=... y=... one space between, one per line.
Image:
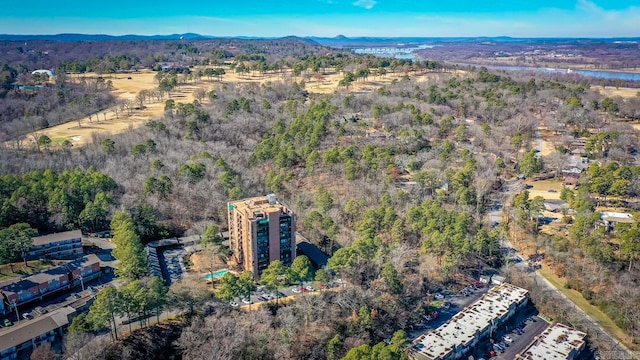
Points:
x=600 y=74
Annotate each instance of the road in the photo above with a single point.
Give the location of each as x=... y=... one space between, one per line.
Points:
x=607 y=342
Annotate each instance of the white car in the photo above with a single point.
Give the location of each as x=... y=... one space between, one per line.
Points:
x=439 y=296
x=507 y=338
x=310 y=288
x=296 y=290
x=234 y=304
x=247 y=301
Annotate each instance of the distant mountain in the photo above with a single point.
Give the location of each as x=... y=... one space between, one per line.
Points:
x=133 y=37
x=100 y=37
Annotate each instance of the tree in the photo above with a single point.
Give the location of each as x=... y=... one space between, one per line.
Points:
x=15 y=242
x=333 y=346
x=347 y=80
x=43 y=352
x=391 y=278
x=275 y=276
x=129 y=251
x=321 y=276
x=531 y=163
x=133 y=300
x=301 y=269
x=246 y=283
x=211 y=236
x=102 y=312
x=157 y=294
x=228 y=288
x=188 y=296
x=45 y=141
x=199 y=94
x=108 y=146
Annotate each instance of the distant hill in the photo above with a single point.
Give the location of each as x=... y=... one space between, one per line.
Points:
x=100 y=37
x=133 y=37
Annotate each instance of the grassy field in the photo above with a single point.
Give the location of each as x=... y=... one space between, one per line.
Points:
x=583 y=304
x=548 y=189
x=20 y=270
x=611 y=91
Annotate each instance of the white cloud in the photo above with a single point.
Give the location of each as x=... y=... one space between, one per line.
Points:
x=367 y=4
x=589 y=7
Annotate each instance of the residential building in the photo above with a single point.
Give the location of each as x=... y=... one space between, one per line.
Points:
x=33 y=333
x=84 y=269
x=261 y=230
x=35 y=286
x=454 y=339
x=556 y=342
x=64 y=245
x=610 y=219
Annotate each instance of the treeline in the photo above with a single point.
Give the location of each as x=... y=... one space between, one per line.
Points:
x=51 y=201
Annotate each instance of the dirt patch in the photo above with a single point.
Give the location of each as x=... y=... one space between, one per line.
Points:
x=204 y=262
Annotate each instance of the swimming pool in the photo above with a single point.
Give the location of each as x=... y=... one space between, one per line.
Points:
x=216 y=274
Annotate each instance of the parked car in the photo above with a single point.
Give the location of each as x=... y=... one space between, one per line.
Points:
x=507 y=338
x=296 y=290
x=234 y=304
x=247 y=301
x=439 y=296
x=310 y=288
x=27 y=316
x=7 y=322
x=497 y=347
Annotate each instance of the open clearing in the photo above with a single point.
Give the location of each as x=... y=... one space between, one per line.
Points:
x=548 y=189
x=611 y=91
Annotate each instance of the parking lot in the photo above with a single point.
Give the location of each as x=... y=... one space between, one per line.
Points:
x=458 y=302
x=520 y=342
x=262 y=294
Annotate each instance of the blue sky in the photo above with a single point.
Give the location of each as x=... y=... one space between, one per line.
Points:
x=517 y=18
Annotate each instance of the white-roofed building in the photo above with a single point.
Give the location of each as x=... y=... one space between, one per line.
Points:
x=453 y=339
x=610 y=219
x=43 y=72
x=556 y=342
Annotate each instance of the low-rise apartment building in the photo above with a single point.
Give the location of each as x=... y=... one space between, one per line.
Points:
x=33 y=287
x=556 y=342
x=453 y=339
x=64 y=245
x=84 y=269
x=33 y=333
